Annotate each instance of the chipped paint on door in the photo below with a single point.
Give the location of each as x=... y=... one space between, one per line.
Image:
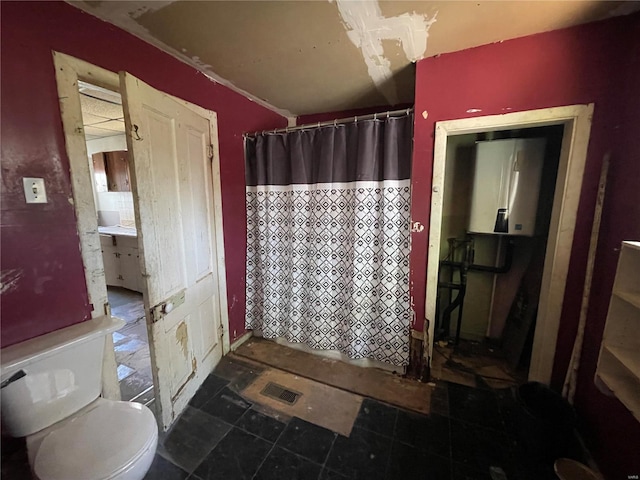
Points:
x=182 y=337
x=173 y=182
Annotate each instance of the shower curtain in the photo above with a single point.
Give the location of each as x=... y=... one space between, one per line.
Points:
x=328 y=237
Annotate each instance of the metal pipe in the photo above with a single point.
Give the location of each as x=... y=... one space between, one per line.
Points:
x=372 y=116
x=457 y=302
x=508 y=260
x=462 y=294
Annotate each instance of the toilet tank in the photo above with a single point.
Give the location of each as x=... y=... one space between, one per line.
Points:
x=48 y=378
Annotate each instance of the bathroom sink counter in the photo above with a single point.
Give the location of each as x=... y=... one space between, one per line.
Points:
x=118 y=230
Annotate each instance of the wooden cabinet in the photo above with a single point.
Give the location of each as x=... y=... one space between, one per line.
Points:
x=121 y=262
x=115 y=167
x=618 y=371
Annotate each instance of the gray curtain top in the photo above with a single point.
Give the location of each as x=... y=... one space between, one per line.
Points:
x=366 y=150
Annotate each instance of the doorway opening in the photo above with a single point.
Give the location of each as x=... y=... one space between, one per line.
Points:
x=175 y=180
x=575 y=121
x=108 y=159
x=491 y=259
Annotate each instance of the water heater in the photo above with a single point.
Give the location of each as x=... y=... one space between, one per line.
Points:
x=506 y=186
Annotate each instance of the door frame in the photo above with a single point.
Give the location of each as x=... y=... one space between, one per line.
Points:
x=573 y=155
x=68 y=71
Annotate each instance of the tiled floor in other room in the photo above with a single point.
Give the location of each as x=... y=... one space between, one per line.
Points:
x=131 y=346
x=222 y=436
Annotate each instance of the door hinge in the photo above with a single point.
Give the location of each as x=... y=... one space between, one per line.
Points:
x=210 y=151
x=107 y=309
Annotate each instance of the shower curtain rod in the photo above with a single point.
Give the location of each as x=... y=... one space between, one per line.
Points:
x=391 y=113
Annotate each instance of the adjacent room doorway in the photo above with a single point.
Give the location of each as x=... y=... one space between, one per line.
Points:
x=576 y=123
x=174 y=175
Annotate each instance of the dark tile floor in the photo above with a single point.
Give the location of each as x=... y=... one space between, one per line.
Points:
x=132 y=346
x=469 y=434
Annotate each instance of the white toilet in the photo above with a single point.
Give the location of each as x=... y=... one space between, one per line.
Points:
x=50 y=393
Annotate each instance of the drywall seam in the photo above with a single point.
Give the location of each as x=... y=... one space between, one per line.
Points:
x=124 y=15
x=367 y=28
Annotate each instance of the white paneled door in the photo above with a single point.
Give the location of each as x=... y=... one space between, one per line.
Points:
x=171 y=144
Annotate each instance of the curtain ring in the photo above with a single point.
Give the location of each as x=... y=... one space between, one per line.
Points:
x=375 y=116
x=388 y=114
x=335 y=123
x=355 y=119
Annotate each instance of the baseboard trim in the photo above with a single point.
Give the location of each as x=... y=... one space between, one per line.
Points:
x=240 y=341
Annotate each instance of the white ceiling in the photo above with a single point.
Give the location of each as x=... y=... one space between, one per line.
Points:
x=102 y=114
x=300 y=57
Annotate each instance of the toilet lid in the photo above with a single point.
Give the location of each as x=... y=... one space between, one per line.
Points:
x=98 y=443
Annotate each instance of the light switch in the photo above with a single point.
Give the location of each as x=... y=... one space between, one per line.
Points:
x=34 y=191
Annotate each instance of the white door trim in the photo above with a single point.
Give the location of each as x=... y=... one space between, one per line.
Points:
x=577 y=122
x=68 y=71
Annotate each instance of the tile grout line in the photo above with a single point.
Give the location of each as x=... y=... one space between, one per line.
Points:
x=323 y=467
x=192 y=472
x=201 y=408
x=335 y=436
x=232 y=426
x=268 y=453
x=204 y=457
x=393 y=440
x=448 y=417
x=451 y=465
x=235 y=424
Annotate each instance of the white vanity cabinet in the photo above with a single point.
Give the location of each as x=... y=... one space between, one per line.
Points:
x=121 y=261
x=130 y=268
x=618 y=371
x=111 y=261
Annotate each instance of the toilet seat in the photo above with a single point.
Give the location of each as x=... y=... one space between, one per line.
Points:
x=98 y=443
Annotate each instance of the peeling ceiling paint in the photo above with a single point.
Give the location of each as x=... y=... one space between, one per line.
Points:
x=367 y=28
x=300 y=57
x=125 y=14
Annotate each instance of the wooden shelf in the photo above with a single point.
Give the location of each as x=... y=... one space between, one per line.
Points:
x=625 y=391
x=115 y=166
x=618 y=371
x=630 y=297
x=630 y=359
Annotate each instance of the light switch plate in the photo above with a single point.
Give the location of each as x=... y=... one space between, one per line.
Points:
x=34 y=191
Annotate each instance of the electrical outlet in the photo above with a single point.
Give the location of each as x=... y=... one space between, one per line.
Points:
x=34 y=191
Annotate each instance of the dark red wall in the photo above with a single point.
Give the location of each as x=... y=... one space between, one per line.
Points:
x=40 y=244
x=615 y=434
x=596 y=63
